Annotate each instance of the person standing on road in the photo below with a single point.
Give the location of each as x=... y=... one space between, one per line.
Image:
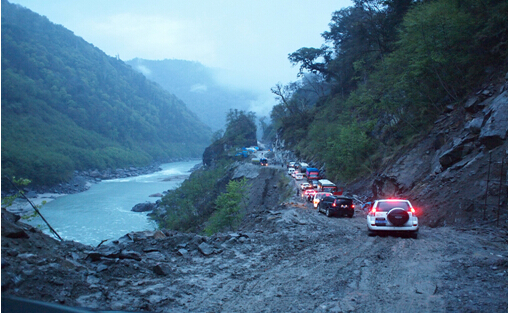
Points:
x=297 y=192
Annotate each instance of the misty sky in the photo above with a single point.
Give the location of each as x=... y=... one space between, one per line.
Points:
x=250 y=40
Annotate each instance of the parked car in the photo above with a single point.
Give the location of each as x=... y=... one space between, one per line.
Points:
x=336 y=205
x=318 y=197
x=392 y=215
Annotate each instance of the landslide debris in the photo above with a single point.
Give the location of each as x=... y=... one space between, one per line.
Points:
x=285 y=258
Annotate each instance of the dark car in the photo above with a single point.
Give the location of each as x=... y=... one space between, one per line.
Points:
x=336 y=205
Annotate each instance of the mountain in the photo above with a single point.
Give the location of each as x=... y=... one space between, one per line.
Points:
x=198 y=86
x=68 y=106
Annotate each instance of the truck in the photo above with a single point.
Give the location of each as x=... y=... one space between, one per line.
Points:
x=301 y=167
x=324 y=185
x=312 y=174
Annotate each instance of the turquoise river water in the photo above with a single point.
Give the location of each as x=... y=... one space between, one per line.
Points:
x=104 y=211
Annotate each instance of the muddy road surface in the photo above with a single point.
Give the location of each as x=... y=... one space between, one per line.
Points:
x=291 y=260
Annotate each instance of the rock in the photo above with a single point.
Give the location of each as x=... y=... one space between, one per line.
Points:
x=161 y=270
x=160 y=195
x=143 y=207
x=461 y=148
x=9 y=227
x=249 y=171
x=205 y=249
x=494 y=131
x=95 y=174
x=182 y=252
x=130 y=255
x=384 y=186
x=475 y=125
x=159 y=235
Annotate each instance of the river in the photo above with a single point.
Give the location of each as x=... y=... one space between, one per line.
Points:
x=104 y=211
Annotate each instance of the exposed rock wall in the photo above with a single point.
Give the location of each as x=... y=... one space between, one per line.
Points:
x=446 y=171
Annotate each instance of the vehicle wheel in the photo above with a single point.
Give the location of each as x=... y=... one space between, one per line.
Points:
x=350 y=215
x=414 y=235
x=371 y=233
x=328 y=213
x=398 y=217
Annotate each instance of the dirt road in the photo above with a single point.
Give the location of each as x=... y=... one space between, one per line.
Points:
x=288 y=259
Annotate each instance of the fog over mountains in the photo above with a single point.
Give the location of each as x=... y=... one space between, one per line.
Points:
x=198 y=86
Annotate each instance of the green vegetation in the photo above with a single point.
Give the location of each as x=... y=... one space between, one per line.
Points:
x=19 y=183
x=229 y=208
x=68 y=106
x=390 y=69
x=192 y=204
x=240 y=132
x=209 y=197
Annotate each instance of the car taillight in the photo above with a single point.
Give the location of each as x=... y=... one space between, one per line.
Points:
x=352 y=206
x=372 y=212
x=413 y=210
x=334 y=205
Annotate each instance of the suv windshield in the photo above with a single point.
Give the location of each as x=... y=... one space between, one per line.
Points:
x=386 y=206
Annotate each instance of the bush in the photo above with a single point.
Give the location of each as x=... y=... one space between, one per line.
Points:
x=230 y=205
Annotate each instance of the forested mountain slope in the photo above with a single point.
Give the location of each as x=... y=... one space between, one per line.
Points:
x=393 y=67
x=198 y=86
x=66 y=105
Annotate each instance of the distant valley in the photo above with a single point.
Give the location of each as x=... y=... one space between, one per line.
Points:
x=197 y=86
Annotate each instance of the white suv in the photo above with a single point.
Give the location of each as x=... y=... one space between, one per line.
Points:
x=392 y=215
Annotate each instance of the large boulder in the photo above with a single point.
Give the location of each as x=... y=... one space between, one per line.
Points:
x=144 y=207
x=494 y=131
x=460 y=148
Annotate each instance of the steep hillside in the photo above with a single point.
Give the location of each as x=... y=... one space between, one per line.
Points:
x=456 y=173
x=198 y=86
x=66 y=105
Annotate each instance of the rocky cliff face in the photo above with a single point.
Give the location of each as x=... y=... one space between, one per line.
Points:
x=456 y=173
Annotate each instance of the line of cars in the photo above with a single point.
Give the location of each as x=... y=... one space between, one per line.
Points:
x=384 y=215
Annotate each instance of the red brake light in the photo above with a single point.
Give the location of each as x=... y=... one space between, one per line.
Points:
x=352 y=206
x=334 y=204
x=413 y=210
